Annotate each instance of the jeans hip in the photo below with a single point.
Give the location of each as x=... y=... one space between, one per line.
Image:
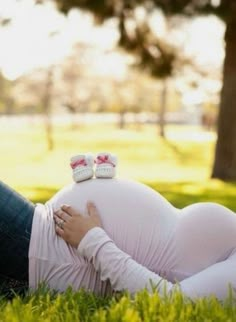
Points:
x=16 y=217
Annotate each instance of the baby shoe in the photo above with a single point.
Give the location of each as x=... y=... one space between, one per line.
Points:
x=105 y=165
x=82 y=166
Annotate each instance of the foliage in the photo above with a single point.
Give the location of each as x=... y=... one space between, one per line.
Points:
x=160 y=59
x=104 y=9
x=7 y=103
x=44 y=305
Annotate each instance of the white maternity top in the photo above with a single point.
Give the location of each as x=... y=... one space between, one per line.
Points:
x=144 y=238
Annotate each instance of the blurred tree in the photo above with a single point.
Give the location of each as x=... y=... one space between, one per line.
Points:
x=7 y=102
x=159 y=58
x=85 y=88
x=35 y=93
x=47 y=105
x=76 y=87
x=225 y=154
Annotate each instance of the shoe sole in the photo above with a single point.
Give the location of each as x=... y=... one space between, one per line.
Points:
x=82 y=174
x=105 y=172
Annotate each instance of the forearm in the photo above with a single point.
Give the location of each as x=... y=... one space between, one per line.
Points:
x=113 y=264
x=126 y=274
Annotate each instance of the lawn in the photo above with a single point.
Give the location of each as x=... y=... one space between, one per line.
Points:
x=178 y=167
x=83 y=306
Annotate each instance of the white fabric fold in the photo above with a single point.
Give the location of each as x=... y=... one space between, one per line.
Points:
x=117 y=266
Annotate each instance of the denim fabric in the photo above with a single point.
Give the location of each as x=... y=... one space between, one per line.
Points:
x=16 y=216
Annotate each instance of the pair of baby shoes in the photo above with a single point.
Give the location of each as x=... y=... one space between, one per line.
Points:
x=82 y=166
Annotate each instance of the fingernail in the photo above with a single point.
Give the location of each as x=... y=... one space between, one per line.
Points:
x=65 y=206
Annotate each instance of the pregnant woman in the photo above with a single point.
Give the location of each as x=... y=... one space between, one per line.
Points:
x=138 y=240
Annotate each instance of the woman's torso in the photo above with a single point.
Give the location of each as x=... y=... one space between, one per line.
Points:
x=139 y=220
x=170 y=242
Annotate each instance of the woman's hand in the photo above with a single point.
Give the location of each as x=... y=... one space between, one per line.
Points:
x=72 y=226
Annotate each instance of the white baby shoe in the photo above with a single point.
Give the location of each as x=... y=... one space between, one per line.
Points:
x=105 y=165
x=82 y=166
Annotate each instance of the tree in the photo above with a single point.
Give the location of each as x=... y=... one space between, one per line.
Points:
x=7 y=103
x=76 y=87
x=46 y=103
x=6 y=100
x=124 y=11
x=34 y=93
x=160 y=63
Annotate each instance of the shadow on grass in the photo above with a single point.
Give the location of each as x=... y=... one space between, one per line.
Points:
x=187 y=154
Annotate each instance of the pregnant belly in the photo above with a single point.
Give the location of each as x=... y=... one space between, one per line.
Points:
x=136 y=217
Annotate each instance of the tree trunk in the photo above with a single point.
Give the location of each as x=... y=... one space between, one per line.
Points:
x=162 y=111
x=121 y=120
x=47 y=110
x=49 y=131
x=225 y=153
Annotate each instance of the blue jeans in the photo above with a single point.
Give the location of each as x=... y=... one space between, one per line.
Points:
x=16 y=216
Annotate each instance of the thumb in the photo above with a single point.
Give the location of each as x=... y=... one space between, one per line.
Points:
x=93 y=212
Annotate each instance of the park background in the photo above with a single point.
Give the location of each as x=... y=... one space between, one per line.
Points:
x=142 y=80
x=151 y=81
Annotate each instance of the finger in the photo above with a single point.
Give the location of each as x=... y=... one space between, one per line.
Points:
x=92 y=210
x=62 y=215
x=59 y=222
x=69 y=210
x=60 y=232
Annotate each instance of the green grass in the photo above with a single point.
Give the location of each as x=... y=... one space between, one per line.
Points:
x=83 y=306
x=178 y=167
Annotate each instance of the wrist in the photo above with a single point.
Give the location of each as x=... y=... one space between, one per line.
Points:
x=92 y=241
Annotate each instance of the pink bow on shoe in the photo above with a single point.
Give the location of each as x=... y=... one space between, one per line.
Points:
x=103 y=159
x=77 y=163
